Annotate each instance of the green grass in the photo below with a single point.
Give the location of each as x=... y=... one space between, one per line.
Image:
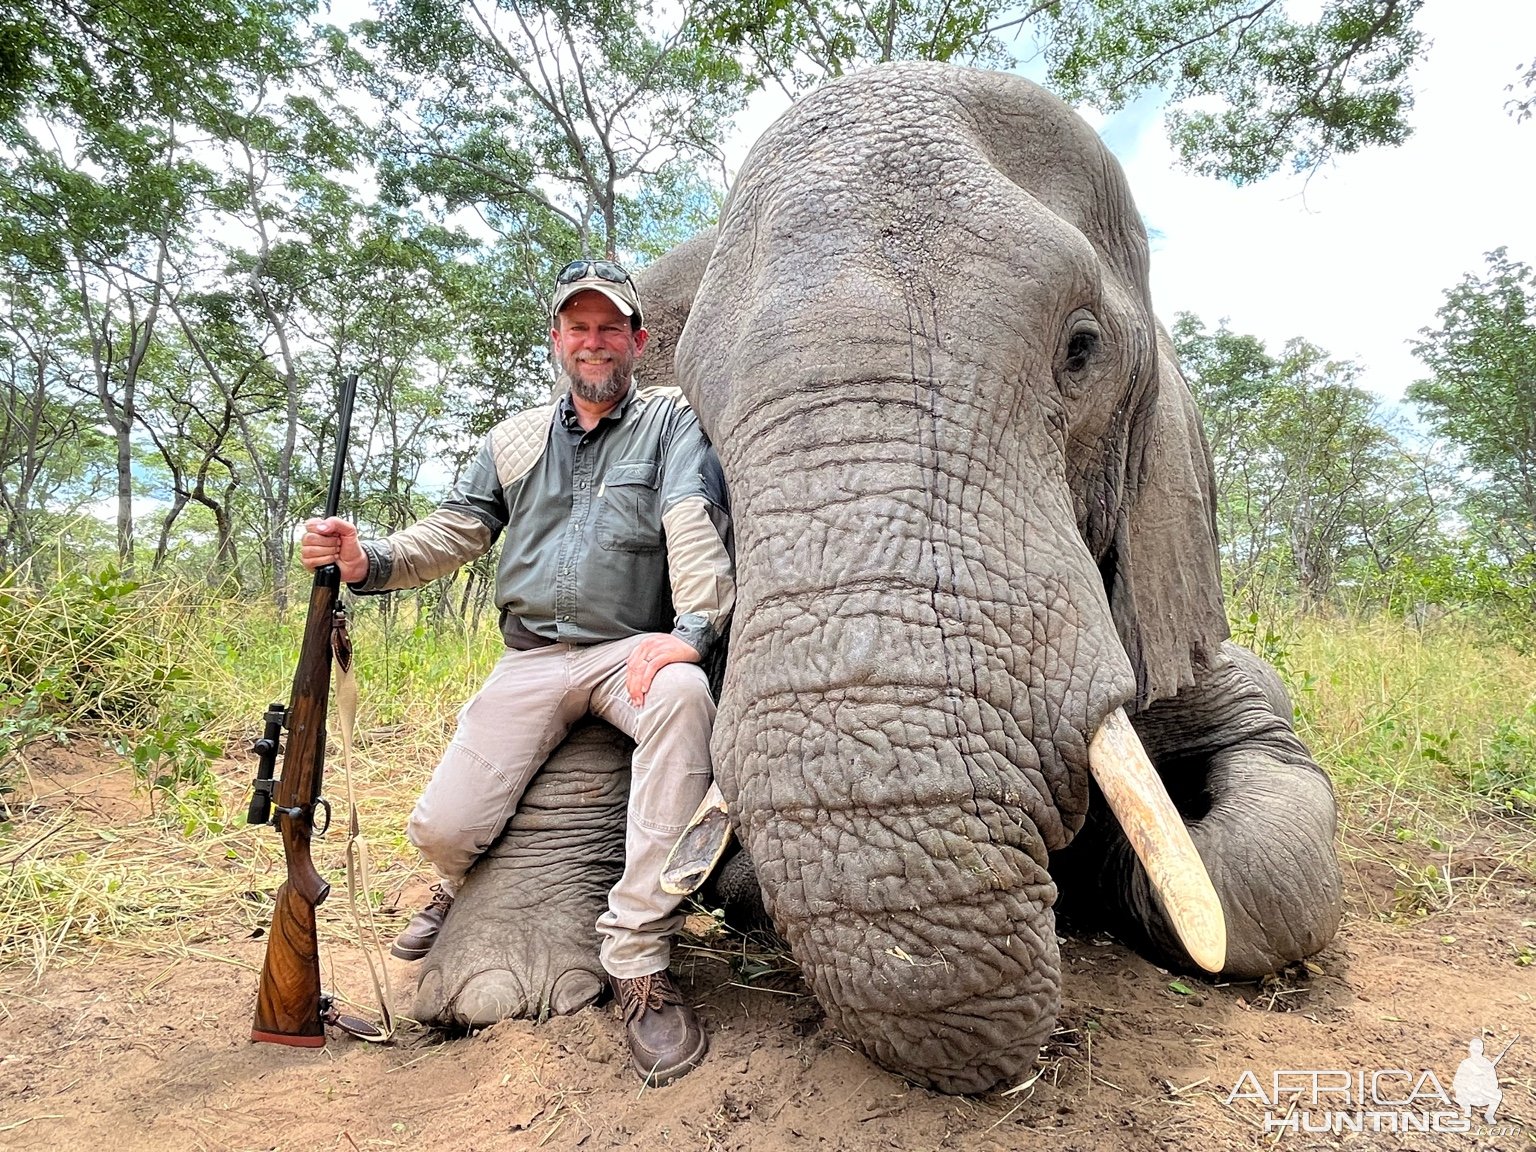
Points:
x=173 y=683
x=1429 y=735
x=1434 y=713
x=1430 y=738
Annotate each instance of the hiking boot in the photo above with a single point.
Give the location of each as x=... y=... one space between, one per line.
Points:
x=665 y=1036
x=416 y=941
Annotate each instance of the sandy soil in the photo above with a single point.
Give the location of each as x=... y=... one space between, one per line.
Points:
x=150 y=1050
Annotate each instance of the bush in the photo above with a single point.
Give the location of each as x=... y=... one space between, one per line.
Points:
x=1468 y=580
x=95 y=649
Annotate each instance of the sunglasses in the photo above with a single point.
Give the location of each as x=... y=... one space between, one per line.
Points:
x=583 y=269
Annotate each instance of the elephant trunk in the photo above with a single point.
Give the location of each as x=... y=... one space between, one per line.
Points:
x=1269 y=837
x=917 y=902
x=902 y=737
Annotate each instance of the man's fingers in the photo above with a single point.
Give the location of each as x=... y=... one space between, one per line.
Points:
x=650 y=656
x=644 y=662
x=632 y=669
x=329 y=540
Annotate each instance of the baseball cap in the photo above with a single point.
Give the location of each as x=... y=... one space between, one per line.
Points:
x=597 y=276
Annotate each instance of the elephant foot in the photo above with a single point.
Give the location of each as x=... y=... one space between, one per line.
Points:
x=502 y=994
x=733 y=889
x=521 y=939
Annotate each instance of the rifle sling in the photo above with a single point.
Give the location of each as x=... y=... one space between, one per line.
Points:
x=359 y=876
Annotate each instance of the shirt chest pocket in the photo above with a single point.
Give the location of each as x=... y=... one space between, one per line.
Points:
x=629 y=519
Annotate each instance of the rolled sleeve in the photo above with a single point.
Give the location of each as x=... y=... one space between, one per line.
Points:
x=380 y=569
x=696 y=523
x=462 y=528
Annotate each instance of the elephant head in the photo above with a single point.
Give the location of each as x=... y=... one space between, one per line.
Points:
x=973 y=516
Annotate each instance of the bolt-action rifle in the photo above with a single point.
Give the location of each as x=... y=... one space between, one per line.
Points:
x=290 y=1006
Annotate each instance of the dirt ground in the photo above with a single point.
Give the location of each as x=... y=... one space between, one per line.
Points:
x=149 y=1049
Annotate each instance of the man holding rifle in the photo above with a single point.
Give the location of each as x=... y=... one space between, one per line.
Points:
x=614 y=582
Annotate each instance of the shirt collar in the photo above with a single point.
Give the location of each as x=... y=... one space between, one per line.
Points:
x=568 y=418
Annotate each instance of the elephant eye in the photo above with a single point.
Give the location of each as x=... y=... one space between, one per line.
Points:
x=1080 y=347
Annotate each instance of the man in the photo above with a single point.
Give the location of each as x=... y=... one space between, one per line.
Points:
x=614 y=582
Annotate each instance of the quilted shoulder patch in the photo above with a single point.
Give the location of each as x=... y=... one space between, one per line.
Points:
x=662 y=391
x=518 y=442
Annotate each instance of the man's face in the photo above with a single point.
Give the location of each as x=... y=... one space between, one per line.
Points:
x=595 y=347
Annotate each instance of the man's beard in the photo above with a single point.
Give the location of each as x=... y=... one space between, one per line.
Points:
x=603 y=391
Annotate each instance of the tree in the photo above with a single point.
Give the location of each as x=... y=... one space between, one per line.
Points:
x=1521 y=109
x=97 y=67
x=572 y=127
x=50 y=453
x=104 y=131
x=1313 y=488
x=1251 y=89
x=1481 y=394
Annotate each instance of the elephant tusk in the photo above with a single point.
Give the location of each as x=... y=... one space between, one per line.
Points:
x=699 y=847
x=1156 y=831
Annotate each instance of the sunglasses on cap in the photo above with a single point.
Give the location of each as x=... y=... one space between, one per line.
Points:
x=584 y=269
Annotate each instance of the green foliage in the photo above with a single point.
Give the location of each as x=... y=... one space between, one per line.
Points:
x=1464 y=578
x=1506 y=769
x=94 y=650
x=53 y=459
x=98 y=66
x=558 y=122
x=76 y=648
x=23 y=723
x=1315 y=493
x=1261 y=632
x=1435 y=717
x=1481 y=396
x=1521 y=108
x=171 y=757
x=799 y=42
x=1252 y=90
x=1294 y=94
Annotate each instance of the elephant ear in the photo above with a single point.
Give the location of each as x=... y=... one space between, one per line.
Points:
x=1164 y=578
x=667 y=288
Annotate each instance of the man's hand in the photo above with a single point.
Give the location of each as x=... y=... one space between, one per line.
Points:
x=650 y=656
x=334 y=541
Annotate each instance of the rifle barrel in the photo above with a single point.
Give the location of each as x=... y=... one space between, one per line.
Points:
x=343 y=433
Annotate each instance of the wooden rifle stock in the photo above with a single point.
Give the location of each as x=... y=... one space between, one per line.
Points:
x=289 y=1001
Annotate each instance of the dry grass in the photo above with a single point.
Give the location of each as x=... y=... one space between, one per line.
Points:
x=71 y=888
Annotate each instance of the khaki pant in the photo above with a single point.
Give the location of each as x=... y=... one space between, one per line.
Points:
x=509 y=729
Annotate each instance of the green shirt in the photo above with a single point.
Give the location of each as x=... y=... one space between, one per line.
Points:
x=608 y=533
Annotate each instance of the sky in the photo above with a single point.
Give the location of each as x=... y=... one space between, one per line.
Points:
x=1357 y=257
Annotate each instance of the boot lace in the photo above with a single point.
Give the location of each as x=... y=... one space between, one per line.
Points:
x=646 y=994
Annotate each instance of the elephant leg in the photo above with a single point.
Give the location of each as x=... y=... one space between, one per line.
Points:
x=1259 y=809
x=733 y=889
x=521 y=939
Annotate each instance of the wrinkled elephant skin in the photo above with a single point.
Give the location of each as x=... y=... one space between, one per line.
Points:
x=973 y=516
x=521 y=939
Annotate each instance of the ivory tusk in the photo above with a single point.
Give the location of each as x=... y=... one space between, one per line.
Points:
x=1156 y=831
x=699 y=847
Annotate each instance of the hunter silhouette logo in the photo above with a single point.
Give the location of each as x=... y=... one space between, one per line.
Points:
x=1338 y=1100
x=1477 y=1085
